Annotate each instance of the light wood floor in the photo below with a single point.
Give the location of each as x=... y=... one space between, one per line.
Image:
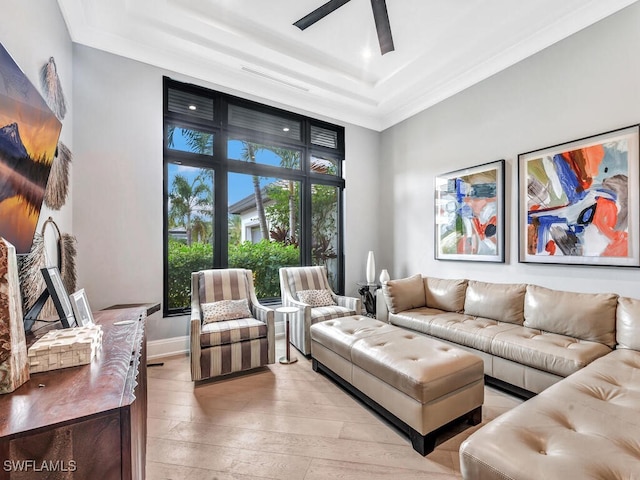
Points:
x=284 y=422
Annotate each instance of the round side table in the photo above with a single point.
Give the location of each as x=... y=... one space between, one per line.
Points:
x=286 y=313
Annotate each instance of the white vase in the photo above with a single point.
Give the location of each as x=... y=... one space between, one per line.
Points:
x=384 y=276
x=371 y=267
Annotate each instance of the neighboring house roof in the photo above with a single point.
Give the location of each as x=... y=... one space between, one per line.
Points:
x=247 y=203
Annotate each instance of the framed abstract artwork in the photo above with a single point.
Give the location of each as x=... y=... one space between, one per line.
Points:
x=579 y=201
x=469 y=214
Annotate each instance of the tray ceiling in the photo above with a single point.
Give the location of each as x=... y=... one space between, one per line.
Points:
x=333 y=68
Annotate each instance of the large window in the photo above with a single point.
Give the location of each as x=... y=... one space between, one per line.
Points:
x=247 y=186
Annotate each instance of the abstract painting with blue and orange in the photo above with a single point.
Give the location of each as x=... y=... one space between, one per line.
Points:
x=467 y=214
x=577 y=202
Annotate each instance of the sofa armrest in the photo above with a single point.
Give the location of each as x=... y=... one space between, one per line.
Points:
x=351 y=303
x=262 y=313
x=382 y=310
x=195 y=301
x=267 y=315
x=290 y=302
x=195 y=328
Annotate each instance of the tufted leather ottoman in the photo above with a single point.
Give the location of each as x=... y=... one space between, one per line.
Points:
x=415 y=382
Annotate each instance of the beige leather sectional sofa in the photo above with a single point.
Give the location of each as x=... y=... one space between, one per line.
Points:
x=580 y=352
x=528 y=336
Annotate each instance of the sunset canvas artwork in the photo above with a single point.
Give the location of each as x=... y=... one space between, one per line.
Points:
x=29 y=133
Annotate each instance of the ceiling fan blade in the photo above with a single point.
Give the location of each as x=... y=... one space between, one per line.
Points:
x=383 y=28
x=319 y=13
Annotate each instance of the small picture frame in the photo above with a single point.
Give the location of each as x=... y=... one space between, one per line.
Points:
x=81 y=308
x=59 y=295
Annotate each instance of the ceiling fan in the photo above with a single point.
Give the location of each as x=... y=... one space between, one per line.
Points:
x=380 y=16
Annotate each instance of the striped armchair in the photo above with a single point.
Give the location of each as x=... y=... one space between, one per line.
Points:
x=228 y=346
x=295 y=279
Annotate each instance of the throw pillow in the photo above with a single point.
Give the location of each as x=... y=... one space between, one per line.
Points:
x=225 y=310
x=316 y=298
x=405 y=293
x=499 y=301
x=586 y=316
x=447 y=295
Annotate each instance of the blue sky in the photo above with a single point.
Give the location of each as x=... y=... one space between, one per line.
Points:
x=240 y=185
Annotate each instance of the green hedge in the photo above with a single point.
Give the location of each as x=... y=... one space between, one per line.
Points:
x=264 y=259
x=183 y=260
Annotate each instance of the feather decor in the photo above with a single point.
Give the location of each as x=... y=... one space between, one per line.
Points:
x=57 y=189
x=31 y=279
x=67 y=245
x=53 y=89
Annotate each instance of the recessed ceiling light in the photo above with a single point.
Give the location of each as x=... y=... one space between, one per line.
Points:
x=285 y=129
x=192 y=107
x=367 y=53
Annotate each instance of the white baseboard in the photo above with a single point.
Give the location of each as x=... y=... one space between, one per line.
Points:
x=167 y=347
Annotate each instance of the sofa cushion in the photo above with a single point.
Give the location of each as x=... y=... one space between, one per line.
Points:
x=232 y=331
x=417 y=319
x=404 y=293
x=583 y=427
x=500 y=301
x=587 y=316
x=555 y=436
x=320 y=314
x=473 y=332
x=628 y=323
x=447 y=295
x=550 y=352
x=306 y=278
x=222 y=284
x=610 y=385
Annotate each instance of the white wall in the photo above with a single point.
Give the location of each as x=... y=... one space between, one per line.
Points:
x=119 y=179
x=362 y=205
x=32 y=32
x=117 y=206
x=587 y=84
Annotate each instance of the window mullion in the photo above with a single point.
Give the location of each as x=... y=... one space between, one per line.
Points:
x=220 y=189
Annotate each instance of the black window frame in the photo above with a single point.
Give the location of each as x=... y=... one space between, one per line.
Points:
x=222 y=166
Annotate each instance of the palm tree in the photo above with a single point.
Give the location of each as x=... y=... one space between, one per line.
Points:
x=249 y=151
x=289 y=159
x=190 y=201
x=198 y=142
x=235 y=229
x=201 y=230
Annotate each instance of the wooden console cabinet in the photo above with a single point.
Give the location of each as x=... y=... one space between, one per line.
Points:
x=83 y=422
